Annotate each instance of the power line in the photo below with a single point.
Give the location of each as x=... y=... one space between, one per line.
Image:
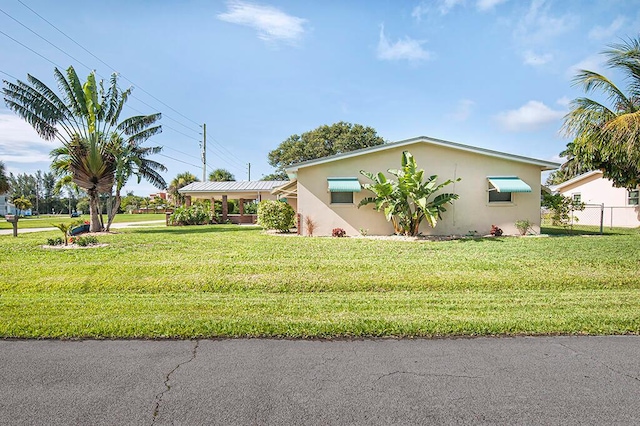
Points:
x=8 y=75
x=104 y=63
x=175 y=159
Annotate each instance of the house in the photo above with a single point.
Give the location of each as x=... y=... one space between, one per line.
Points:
x=496 y=188
x=242 y=191
x=3 y=204
x=620 y=207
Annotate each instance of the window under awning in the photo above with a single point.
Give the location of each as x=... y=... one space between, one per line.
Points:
x=344 y=184
x=508 y=184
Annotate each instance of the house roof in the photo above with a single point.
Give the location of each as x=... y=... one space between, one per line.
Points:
x=561 y=186
x=236 y=186
x=546 y=165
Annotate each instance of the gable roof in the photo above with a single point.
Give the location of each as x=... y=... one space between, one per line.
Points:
x=561 y=186
x=546 y=165
x=235 y=186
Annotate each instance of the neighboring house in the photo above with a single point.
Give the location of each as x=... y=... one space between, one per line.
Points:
x=236 y=190
x=620 y=206
x=495 y=188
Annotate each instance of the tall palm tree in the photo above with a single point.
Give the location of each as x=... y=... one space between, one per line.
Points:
x=85 y=119
x=221 y=175
x=180 y=181
x=4 y=180
x=607 y=136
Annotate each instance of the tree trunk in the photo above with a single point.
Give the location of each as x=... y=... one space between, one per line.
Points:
x=114 y=210
x=94 y=211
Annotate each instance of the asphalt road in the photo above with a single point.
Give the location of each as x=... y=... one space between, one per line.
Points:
x=523 y=380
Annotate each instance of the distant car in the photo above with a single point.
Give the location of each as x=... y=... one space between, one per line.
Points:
x=75 y=214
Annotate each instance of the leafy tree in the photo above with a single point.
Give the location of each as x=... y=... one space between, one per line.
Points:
x=276 y=176
x=321 y=142
x=180 y=181
x=221 y=175
x=131 y=202
x=406 y=202
x=22 y=204
x=4 y=180
x=607 y=136
x=561 y=208
x=87 y=122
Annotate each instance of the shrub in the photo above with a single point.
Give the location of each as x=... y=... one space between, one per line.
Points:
x=523 y=226
x=338 y=232
x=561 y=209
x=55 y=241
x=89 y=240
x=310 y=224
x=495 y=231
x=276 y=215
x=198 y=214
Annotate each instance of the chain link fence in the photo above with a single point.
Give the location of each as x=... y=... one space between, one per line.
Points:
x=595 y=218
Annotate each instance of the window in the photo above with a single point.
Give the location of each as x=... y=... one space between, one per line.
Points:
x=634 y=197
x=342 y=198
x=577 y=198
x=499 y=197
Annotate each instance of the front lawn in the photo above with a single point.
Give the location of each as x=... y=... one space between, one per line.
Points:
x=47 y=221
x=224 y=280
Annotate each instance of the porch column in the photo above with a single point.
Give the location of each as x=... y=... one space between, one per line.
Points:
x=225 y=208
x=187 y=201
x=241 y=201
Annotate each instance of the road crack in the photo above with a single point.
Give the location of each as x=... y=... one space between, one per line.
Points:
x=167 y=379
x=459 y=376
x=597 y=361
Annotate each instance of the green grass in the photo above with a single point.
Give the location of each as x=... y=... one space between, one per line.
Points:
x=224 y=280
x=46 y=221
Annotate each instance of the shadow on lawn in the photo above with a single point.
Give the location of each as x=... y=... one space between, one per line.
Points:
x=196 y=229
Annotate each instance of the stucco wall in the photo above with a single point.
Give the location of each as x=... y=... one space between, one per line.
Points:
x=471 y=212
x=597 y=190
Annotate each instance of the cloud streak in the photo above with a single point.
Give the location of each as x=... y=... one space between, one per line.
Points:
x=271 y=24
x=406 y=49
x=531 y=116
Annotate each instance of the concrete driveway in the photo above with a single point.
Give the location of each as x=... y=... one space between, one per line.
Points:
x=523 y=380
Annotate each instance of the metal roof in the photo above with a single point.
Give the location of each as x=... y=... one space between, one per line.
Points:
x=235 y=186
x=578 y=178
x=546 y=165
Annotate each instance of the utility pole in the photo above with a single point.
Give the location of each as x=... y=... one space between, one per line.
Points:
x=249 y=164
x=204 y=152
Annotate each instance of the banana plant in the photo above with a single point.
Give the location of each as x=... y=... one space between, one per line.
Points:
x=407 y=202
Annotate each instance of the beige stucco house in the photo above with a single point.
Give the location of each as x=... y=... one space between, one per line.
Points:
x=496 y=188
x=620 y=206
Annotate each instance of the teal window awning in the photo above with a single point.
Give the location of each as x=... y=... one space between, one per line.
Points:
x=344 y=184
x=508 y=184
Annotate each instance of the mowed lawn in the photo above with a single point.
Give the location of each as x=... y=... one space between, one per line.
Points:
x=225 y=280
x=48 y=221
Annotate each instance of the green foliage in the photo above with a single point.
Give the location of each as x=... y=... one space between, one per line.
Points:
x=4 y=179
x=250 y=207
x=276 y=215
x=321 y=142
x=221 y=175
x=605 y=136
x=561 y=208
x=56 y=241
x=524 y=226
x=88 y=240
x=406 y=203
x=197 y=214
x=181 y=180
x=22 y=203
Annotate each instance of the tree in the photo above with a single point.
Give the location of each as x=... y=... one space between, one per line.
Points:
x=22 y=204
x=180 y=181
x=221 y=175
x=406 y=202
x=321 y=142
x=4 y=180
x=87 y=121
x=608 y=137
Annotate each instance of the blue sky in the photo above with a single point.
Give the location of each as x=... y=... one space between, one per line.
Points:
x=489 y=73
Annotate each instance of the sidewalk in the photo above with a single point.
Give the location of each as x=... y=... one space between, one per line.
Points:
x=113 y=226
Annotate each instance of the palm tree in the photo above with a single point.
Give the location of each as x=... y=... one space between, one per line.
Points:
x=85 y=119
x=4 y=180
x=607 y=137
x=181 y=180
x=221 y=175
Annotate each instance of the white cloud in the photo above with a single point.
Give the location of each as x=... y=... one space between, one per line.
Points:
x=600 y=33
x=538 y=26
x=408 y=49
x=534 y=59
x=564 y=101
x=591 y=63
x=463 y=110
x=486 y=5
x=272 y=24
x=19 y=143
x=442 y=6
x=531 y=116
